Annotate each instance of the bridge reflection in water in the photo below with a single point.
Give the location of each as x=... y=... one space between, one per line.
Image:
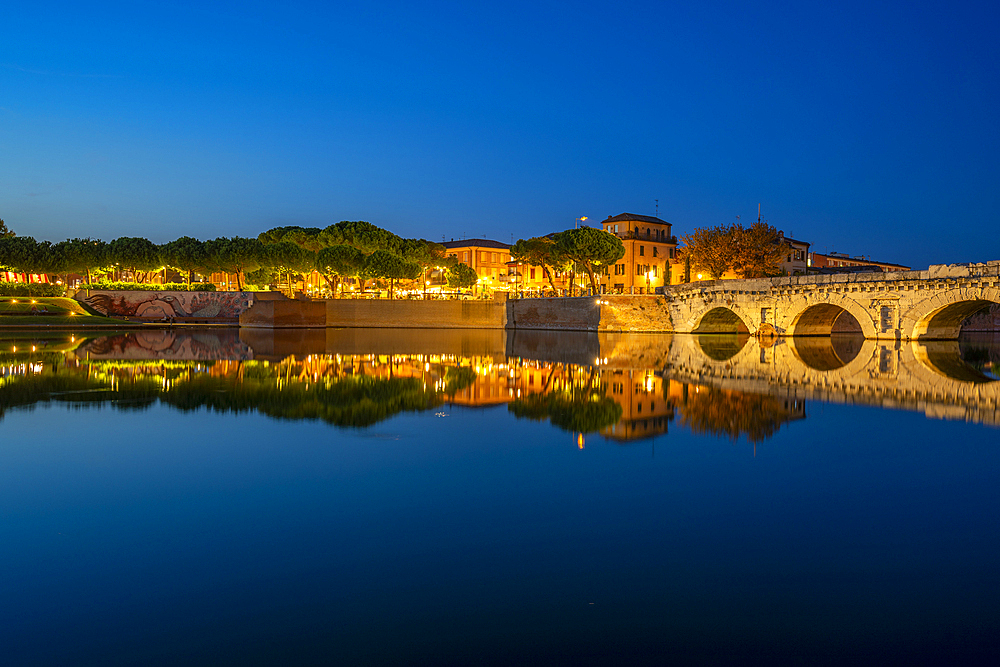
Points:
x=626 y=387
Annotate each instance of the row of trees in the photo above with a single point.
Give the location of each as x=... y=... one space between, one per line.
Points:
x=752 y=252
x=589 y=248
x=349 y=249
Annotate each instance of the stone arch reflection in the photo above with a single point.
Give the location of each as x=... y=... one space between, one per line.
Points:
x=970 y=359
x=722 y=347
x=827 y=353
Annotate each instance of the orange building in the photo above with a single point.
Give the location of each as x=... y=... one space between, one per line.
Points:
x=488 y=258
x=649 y=249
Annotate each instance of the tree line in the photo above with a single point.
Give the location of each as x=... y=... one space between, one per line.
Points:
x=752 y=252
x=591 y=249
x=347 y=249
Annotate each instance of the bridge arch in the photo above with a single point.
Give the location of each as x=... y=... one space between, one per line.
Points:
x=940 y=317
x=721 y=319
x=832 y=317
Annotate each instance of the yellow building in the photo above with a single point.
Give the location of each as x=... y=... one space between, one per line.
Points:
x=649 y=249
x=488 y=258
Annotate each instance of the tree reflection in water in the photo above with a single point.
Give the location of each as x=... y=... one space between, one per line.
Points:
x=219 y=372
x=577 y=411
x=731 y=414
x=282 y=391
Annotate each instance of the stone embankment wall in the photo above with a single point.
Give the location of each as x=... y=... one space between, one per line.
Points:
x=285 y=314
x=166 y=305
x=588 y=313
x=404 y=314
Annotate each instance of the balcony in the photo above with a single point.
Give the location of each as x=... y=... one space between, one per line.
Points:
x=641 y=236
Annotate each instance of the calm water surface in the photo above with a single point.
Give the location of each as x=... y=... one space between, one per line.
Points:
x=386 y=497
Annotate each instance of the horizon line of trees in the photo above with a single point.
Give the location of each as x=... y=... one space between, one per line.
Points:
x=347 y=249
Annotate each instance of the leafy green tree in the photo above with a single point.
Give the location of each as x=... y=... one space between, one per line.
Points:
x=137 y=255
x=388 y=265
x=287 y=258
x=26 y=255
x=4 y=232
x=712 y=249
x=462 y=276
x=308 y=238
x=540 y=251
x=590 y=248
x=83 y=256
x=185 y=254
x=426 y=254
x=364 y=236
x=338 y=262
x=235 y=255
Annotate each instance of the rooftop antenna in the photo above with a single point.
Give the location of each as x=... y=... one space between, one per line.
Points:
x=758 y=213
x=657 y=207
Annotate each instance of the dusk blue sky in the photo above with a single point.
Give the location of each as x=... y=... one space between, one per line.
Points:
x=867 y=128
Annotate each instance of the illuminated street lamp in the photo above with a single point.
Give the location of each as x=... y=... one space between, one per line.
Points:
x=648 y=273
x=579 y=220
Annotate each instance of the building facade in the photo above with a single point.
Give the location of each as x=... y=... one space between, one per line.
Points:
x=841 y=260
x=649 y=249
x=796 y=262
x=488 y=258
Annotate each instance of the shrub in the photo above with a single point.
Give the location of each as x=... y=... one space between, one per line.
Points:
x=143 y=287
x=23 y=289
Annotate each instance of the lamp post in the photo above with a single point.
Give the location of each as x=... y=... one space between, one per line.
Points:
x=647 y=281
x=579 y=220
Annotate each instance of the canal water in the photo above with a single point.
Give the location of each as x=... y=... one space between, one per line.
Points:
x=221 y=497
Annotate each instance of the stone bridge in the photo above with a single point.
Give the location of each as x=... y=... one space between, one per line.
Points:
x=905 y=305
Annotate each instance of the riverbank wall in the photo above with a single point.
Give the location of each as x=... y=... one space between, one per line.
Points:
x=596 y=314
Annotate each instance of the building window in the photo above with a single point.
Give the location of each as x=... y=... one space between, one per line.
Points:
x=654 y=270
x=465 y=256
x=655 y=251
x=494 y=258
x=616 y=229
x=642 y=251
x=532 y=272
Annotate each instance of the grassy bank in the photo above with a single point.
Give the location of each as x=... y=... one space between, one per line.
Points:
x=50 y=311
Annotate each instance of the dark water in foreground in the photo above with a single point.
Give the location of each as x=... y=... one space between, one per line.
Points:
x=476 y=498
